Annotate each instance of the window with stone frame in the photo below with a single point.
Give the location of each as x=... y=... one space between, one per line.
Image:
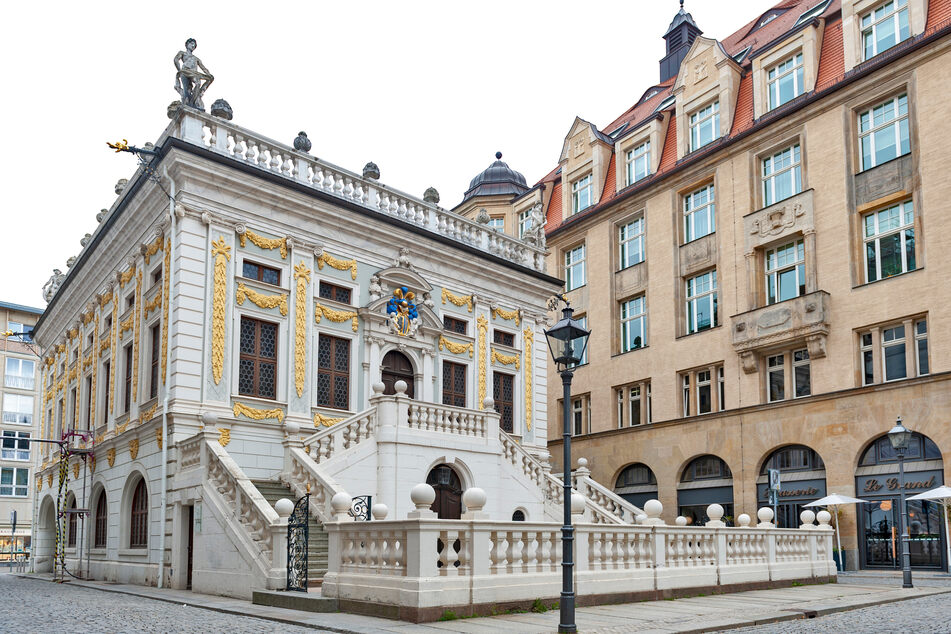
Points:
x=503 y=393
x=334 y=292
x=139 y=516
x=782 y=175
x=14 y=482
x=699 y=213
x=101 y=521
x=575 y=268
x=106 y=370
x=18 y=409
x=524 y=222
x=453 y=384
x=156 y=340
x=785 y=81
x=87 y=389
x=333 y=372
x=15 y=445
x=455 y=325
x=883 y=132
x=581 y=194
x=631 y=242
x=639 y=162
x=257 y=365
x=699 y=387
x=261 y=272
x=127 y=380
x=901 y=348
x=704 y=126
x=785 y=271
x=883 y=27
x=503 y=338
x=701 y=305
x=633 y=404
x=889 y=240
x=781 y=382
x=633 y=323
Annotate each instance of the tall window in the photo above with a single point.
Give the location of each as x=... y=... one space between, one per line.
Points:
x=524 y=222
x=19 y=373
x=260 y=272
x=257 y=366
x=577 y=416
x=702 y=302
x=893 y=353
x=71 y=528
x=782 y=175
x=633 y=405
x=87 y=419
x=868 y=364
x=639 y=162
x=18 y=409
x=14 y=481
x=139 y=520
x=16 y=445
x=889 y=241
x=574 y=268
x=698 y=387
x=883 y=132
x=106 y=369
x=581 y=194
x=897 y=360
x=341 y=294
x=102 y=521
x=921 y=346
x=785 y=272
x=503 y=392
x=776 y=375
x=333 y=372
x=776 y=378
x=127 y=387
x=156 y=339
x=785 y=81
x=704 y=126
x=503 y=338
x=453 y=384
x=802 y=373
x=884 y=27
x=631 y=243
x=633 y=324
x=699 y=213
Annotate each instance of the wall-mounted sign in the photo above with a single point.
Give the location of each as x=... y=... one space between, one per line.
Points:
x=883 y=484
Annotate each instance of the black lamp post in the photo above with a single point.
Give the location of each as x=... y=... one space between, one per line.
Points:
x=899 y=436
x=567 y=341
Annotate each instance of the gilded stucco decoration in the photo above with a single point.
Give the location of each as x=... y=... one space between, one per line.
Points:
x=105 y=299
x=111 y=456
x=127 y=324
x=147 y=415
x=454 y=347
x=337 y=316
x=166 y=276
x=134 y=448
x=153 y=248
x=135 y=338
x=125 y=277
x=326 y=421
x=72 y=334
x=103 y=346
x=508 y=315
x=224 y=436
x=302 y=275
x=112 y=365
x=264 y=243
x=49 y=479
x=340 y=265
x=402 y=312
x=458 y=300
x=152 y=305
x=95 y=373
x=261 y=300
x=120 y=429
x=76 y=470
x=482 y=324
x=158 y=437
x=528 y=338
x=505 y=359
x=39 y=484
x=88 y=317
x=221 y=253
x=258 y=414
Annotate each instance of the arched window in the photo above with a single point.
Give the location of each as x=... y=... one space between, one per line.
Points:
x=706 y=468
x=71 y=523
x=881 y=451
x=102 y=518
x=139 y=524
x=635 y=475
x=518 y=515
x=793 y=458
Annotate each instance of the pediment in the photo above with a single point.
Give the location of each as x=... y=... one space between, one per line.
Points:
x=579 y=138
x=701 y=65
x=396 y=276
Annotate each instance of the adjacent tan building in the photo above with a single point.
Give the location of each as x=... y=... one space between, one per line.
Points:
x=759 y=246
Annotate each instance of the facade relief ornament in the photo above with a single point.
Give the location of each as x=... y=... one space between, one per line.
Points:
x=134 y=448
x=336 y=316
x=302 y=277
x=263 y=243
x=505 y=359
x=775 y=221
x=326 y=421
x=507 y=315
x=166 y=279
x=528 y=339
x=221 y=253
x=454 y=347
x=111 y=456
x=340 y=265
x=150 y=249
x=258 y=414
x=482 y=326
x=261 y=300
x=224 y=436
x=458 y=300
x=375 y=289
x=402 y=260
x=402 y=313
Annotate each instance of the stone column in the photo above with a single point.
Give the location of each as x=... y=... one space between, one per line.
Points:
x=911 y=367
x=878 y=372
x=643 y=386
x=812 y=278
x=715 y=405
x=752 y=277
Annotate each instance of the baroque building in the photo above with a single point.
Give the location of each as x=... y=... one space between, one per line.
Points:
x=757 y=245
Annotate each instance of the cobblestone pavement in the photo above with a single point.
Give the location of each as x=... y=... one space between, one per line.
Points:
x=930 y=581
x=41 y=606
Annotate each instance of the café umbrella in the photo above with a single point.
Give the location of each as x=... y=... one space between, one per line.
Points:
x=835 y=500
x=942 y=495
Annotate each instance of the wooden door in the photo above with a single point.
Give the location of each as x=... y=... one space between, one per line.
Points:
x=396 y=367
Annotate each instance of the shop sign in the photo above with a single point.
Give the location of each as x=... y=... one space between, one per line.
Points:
x=889 y=483
x=796 y=489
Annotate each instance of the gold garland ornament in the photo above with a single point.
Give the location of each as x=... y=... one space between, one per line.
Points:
x=120 y=429
x=154 y=248
x=302 y=275
x=105 y=299
x=336 y=316
x=39 y=484
x=103 y=346
x=152 y=305
x=505 y=359
x=264 y=243
x=147 y=415
x=262 y=300
x=482 y=324
x=458 y=300
x=340 y=265
x=134 y=448
x=326 y=421
x=127 y=324
x=125 y=277
x=454 y=347
x=222 y=253
x=258 y=414
x=49 y=479
x=112 y=364
x=528 y=337
x=508 y=315
x=224 y=436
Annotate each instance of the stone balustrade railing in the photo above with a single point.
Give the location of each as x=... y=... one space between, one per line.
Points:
x=431 y=565
x=447 y=419
x=341 y=436
x=603 y=496
x=303 y=475
x=243 y=145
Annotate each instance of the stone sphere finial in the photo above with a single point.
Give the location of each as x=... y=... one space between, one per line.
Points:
x=578 y=503
x=765 y=515
x=378 y=388
x=582 y=463
x=209 y=419
x=807 y=517
x=715 y=512
x=680 y=521
x=380 y=511
x=340 y=503
x=222 y=110
x=302 y=143
x=371 y=171
x=653 y=508
x=400 y=386
x=824 y=517
x=488 y=403
x=431 y=195
x=744 y=520
x=422 y=496
x=284 y=507
x=474 y=498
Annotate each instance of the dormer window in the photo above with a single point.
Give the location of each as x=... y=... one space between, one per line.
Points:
x=705 y=126
x=581 y=194
x=814 y=12
x=666 y=103
x=769 y=18
x=884 y=27
x=497 y=223
x=639 y=162
x=785 y=81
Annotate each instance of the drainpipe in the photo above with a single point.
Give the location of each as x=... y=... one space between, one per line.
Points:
x=168 y=379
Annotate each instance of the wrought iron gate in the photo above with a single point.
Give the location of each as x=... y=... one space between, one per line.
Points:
x=298 y=534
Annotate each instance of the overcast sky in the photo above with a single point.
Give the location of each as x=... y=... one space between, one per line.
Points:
x=427 y=90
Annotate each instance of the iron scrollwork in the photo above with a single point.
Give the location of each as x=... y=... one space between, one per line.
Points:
x=360 y=509
x=298 y=534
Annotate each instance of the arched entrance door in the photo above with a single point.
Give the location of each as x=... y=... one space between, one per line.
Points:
x=802 y=480
x=396 y=367
x=448 y=503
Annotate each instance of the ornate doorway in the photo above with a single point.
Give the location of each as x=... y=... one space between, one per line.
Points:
x=448 y=503
x=396 y=367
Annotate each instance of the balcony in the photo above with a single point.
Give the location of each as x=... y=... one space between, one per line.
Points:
x=804 y=318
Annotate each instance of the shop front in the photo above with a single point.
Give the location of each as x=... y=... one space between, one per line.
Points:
x=802 y=480
x=705 y=480
x=879 y=529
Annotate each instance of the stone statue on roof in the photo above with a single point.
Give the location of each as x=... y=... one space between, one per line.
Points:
x=535 y=233
x=52 y=285
x=192 y=78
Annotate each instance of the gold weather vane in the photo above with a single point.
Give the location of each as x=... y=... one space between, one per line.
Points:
x=119 y=146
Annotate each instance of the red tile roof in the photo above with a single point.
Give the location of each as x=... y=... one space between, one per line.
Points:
x=610 y=181
x=553 y=217
x=743 y=117
x=831 y=57
x=939 y=12
x=668 y=157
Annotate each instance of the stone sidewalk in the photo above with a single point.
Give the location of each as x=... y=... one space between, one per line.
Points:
x=694 y=614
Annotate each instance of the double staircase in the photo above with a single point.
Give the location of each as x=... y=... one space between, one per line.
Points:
x=316 y=536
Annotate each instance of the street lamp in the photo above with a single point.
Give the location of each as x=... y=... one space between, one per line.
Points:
x=567 y=340
x=899 y=436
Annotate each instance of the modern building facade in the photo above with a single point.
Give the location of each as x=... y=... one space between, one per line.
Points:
x=20 y=403
x=759 y=248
